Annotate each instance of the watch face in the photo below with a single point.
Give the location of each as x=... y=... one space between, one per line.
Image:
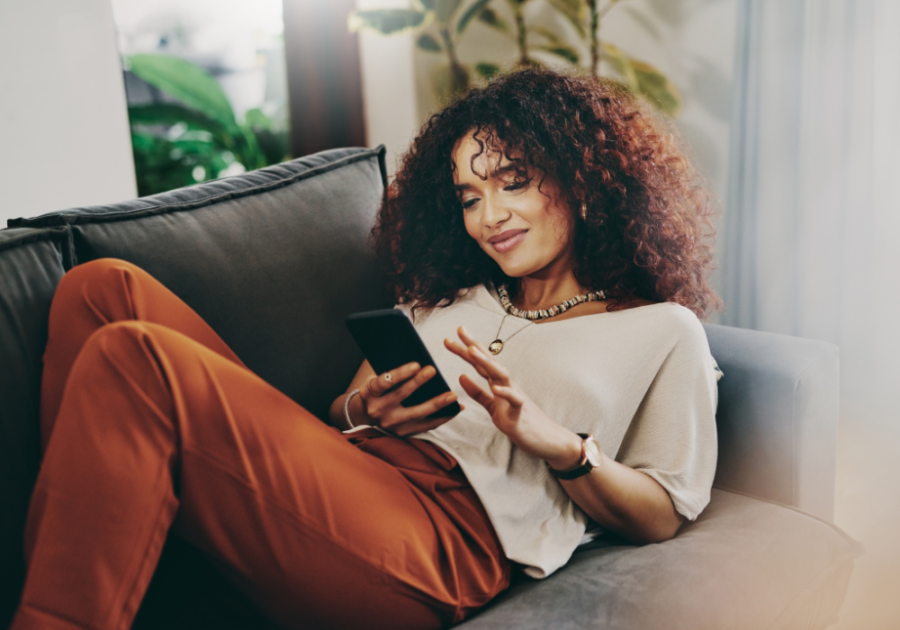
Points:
x=592 y=452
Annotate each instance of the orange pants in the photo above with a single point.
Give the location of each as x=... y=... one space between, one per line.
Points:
x=151 y=422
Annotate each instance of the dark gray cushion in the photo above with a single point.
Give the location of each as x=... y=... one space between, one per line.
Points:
x=744 y=564
x=274 y=260
x=31 y=265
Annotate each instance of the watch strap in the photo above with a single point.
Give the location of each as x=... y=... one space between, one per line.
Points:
x=579 y=470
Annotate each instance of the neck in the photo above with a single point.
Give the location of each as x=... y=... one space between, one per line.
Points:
x=542 y=293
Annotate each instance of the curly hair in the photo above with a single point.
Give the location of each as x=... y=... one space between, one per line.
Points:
x=647 y=235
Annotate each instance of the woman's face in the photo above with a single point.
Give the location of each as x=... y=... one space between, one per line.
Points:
x=527 y=231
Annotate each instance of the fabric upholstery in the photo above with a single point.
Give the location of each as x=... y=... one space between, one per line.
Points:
x=777 y=417
x=274 y=260
x=744 y=564
x=31 y=265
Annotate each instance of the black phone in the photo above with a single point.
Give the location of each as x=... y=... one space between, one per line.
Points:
x=388 y=340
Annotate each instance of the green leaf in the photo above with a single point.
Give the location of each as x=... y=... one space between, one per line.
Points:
x=575 y=11
x=427 y=5
x=168 y=114
x=385 y=21
x=487 y=70
x=621 y=64
x=657 y=88
x=428 y=42
x=186 y=82
x=566 y=52
x=473 y=10
x=444 y=9
x=546 y=33
x=493 y=19
x=449 y=83
x=257 y=119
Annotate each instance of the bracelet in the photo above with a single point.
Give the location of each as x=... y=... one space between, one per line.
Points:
x=347 y=408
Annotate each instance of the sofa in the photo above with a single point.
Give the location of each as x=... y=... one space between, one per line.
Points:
x=275 y=259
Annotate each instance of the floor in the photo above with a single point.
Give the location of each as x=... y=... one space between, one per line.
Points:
x=868 y=508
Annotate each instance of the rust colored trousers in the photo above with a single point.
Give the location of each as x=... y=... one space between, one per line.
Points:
x=151 y=422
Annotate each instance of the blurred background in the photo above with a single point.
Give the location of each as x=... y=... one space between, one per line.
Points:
x=788 y=107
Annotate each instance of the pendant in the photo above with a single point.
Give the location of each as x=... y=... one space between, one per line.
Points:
x=496 y=346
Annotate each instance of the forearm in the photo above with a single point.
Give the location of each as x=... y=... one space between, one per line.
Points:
x=625 y=501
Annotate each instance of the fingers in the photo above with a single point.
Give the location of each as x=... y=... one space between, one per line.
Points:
x=475 y=391
x=476 y=355
x=509 y=394
x=378 y=385
x=413 y=420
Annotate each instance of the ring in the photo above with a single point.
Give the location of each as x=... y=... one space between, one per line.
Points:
x=388 y=377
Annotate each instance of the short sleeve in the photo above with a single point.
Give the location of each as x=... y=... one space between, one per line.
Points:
x=672 y=437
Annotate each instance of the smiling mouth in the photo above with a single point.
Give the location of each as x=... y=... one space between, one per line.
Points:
x=506 y=243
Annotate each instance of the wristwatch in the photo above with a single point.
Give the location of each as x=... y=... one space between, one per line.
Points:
x=591 y=456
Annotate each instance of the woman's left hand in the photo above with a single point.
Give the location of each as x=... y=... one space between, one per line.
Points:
x=512 y=411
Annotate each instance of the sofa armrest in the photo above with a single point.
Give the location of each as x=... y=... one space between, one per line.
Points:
x=777 y=417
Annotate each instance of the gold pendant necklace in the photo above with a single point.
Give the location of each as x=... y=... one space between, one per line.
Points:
x=496 y=346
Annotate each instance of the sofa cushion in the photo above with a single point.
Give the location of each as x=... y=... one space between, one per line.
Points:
x=274 y=260
x=744 y=564
x=31 y=265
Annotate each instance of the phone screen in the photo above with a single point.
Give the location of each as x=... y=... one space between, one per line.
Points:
x=388 y=340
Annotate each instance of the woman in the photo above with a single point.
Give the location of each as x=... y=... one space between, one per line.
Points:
x=547 y=218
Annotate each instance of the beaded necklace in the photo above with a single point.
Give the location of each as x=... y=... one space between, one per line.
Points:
x=502 y=291
x=496 y=346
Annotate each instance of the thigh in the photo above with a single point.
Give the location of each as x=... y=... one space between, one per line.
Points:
x=101 y=292
x=317 y=532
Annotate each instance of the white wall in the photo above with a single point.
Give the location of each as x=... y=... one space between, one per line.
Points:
x=389 y=92
x=64 y=138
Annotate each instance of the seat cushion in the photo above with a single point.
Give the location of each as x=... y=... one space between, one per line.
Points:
x=273 y=260
x=744 y=564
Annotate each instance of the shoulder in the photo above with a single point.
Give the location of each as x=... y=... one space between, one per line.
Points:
x=675 y=325
x=473 y=296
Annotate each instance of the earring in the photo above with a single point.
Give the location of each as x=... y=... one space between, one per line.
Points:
x=584 y=212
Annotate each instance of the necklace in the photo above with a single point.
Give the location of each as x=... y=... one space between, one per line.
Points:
x=497 y=344
x=553 y=311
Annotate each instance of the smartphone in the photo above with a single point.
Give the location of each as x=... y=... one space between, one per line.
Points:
x=389 y=340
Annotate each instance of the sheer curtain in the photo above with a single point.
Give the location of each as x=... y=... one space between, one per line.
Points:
x=812 y=239
x=812 y=226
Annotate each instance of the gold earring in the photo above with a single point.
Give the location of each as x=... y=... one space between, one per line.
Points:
x=584 y=212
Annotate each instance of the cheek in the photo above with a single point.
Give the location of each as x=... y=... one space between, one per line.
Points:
x=471 y=223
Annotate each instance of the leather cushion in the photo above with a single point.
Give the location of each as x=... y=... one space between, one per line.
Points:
x=31 y=265
x=274 y=260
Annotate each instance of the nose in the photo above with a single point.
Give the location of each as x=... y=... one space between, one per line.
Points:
x=493 y=213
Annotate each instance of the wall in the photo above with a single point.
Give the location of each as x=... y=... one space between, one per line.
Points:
x=389 y=97
x=63 y=118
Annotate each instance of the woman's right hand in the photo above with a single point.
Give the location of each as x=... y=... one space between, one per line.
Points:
x=381 y=397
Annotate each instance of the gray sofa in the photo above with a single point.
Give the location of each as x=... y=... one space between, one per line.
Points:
x=275 y=259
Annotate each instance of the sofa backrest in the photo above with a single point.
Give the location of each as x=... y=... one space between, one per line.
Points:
x=274 y=260
x=32 y=261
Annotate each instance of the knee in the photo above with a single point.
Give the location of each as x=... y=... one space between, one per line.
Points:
x=95 y=273
x=90 y=284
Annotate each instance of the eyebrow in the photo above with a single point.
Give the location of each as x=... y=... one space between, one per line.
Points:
x=502 y=170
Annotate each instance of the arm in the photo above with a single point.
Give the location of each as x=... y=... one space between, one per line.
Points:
x=617 y=497
x=621 y=499
x=378 y=402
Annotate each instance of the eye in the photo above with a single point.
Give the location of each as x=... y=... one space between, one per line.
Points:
x=468 y=203
x=517 y=184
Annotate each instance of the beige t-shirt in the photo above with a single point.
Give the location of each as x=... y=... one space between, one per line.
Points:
x=640 y=380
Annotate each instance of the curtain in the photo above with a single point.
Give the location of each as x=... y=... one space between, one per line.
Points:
x=812 y=221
